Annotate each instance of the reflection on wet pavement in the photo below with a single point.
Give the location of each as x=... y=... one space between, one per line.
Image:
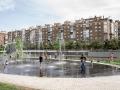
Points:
x=58 y=69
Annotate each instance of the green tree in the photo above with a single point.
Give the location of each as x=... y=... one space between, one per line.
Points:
x=56 y=45
x=77 y=45
x=69 y=45
x=114 y=44
x=119 y=44
x=96 y=45
x=19 y=47
x=1 y=47
x=106 y=44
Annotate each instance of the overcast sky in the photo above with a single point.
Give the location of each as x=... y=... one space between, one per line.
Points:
x=17 y=14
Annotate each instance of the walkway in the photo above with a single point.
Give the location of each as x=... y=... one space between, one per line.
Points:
x=96 y=83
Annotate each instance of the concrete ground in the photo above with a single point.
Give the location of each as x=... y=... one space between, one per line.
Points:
x=95 y=83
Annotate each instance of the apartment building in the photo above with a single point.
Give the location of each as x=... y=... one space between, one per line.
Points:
x=78 y=29
x=115 y=30
x=9 y=36
x=46 y=34
x=56 y=31
x=88 y=30
x=2 y=38
x=27 y=35
x=96 y=28
x=67 y=31
x=36 y=35
x=12 y=35
x=118 y=31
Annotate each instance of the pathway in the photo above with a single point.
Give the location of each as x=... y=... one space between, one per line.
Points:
x=95 y=83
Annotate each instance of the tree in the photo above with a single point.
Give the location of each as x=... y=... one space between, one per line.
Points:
x=106 y=44
x=119 y=44
x=77 y=45
x=1 y=47
x=114 y=44
x=50 y=46
x=19 y=47
x=69 y=44
x=10 y=48
x=56 y=45
x=96 y=45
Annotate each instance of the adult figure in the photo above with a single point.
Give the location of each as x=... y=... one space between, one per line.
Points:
x=82 y=66
x=6 y=63
x=40 y=59
x=111 y=57
x=83 y=57
x=10 y=57
x=55 y=55
x=91 y=59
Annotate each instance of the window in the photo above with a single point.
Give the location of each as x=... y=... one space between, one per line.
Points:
x=95 y=23
x=95 y=27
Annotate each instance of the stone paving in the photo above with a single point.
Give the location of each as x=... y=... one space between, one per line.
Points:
x=94 y=83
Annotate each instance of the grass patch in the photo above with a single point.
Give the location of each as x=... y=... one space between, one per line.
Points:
x=114 y=62
x=4 y=86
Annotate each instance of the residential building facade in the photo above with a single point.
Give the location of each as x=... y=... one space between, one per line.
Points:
x=12 y=35
x=95 y=28
x=2 y=38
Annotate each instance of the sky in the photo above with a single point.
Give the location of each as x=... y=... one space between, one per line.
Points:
x=18 y=14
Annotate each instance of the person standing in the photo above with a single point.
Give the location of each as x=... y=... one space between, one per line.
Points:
x=6 y=63
x=111 y=57
x=82 y=66
x=40 y=59
x=83 y=57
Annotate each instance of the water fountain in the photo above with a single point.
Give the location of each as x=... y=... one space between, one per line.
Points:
x=59 y=69
x=54 y=68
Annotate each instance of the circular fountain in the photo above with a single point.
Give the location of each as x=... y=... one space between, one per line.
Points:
x=50 y=68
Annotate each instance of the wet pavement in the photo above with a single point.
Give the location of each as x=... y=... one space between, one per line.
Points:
x=62 y=69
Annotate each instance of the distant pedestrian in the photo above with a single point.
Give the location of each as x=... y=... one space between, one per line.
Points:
x=10 y=57
x=55 y=55
x=82 y=66
x=83 y=57
x=111 y=57
x=6 y=63
x=40 y=59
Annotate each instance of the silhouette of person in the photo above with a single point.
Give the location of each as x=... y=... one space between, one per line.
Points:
x=40 y=59
x=111 y=56
x=6 y=63
x=55 y=55
x=83 y=57
x=82 y=66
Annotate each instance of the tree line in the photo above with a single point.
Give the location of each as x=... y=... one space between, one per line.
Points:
x=113 y=44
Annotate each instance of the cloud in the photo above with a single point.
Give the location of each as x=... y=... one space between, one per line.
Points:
x=40 y=12
x=74 y=9
x=7 y=5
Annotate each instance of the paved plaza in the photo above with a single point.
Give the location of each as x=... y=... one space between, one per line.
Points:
x=94 y=83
